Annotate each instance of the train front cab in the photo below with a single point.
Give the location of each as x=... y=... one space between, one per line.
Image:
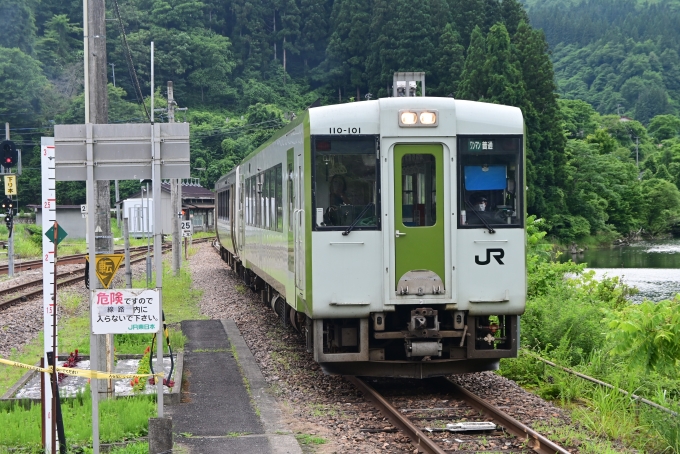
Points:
x=432 y=273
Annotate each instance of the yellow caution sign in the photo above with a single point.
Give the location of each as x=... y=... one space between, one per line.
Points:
x=107 y=266
x=10 y=185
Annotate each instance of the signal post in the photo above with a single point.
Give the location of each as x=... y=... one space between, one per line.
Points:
x=9 y=157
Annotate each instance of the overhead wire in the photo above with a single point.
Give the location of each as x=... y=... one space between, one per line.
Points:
x=131 y=67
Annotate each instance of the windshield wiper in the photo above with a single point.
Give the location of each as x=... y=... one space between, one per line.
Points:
x=358 y=218
x=486 y=224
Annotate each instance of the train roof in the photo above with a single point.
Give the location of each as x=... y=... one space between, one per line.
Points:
x=380 y=117
x=456 y=116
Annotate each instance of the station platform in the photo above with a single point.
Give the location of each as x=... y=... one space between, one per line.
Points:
x=217 y=413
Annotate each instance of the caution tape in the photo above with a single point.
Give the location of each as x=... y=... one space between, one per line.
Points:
x=26 y=366
x=102 y=375
x=80 y=372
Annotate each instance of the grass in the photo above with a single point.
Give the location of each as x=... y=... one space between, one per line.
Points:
x=606 y=419
x=237 y=434
x=21 y=426
x=307 y=439
x=28 y=241
x=321 y=410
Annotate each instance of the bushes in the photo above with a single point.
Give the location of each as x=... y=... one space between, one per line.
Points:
x=565 y=305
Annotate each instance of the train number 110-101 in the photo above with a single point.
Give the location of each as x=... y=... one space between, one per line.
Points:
x=344 y=130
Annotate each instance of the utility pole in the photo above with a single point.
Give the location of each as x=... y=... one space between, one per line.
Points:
x=98 y=193
x=117 y=205
x=113 y=72
x=175 y=199
x=97 y=111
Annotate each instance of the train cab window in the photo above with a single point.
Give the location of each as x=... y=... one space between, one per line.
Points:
x=419 y=190
x=346 y=183
x=490 y=192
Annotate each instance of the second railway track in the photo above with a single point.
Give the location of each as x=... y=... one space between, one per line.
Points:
x=14 y=294
x=65 y=260
x=421 y=409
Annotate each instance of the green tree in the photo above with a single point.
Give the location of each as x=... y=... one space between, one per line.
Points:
x=465 y=16
x=448 y=68
x=313 y=32
x=17 y=23
x=605 y=142
x=513 y=14
x=546 y=141
x=660 y=205
x=57 y=48
x=663 y=127
x=501 y=69
x=290 y=29
x=120 y=110
x=347 y=48
x=601 y=188
x=473 y=83
x=398 y=28
x=22 y=86
x=579 y=118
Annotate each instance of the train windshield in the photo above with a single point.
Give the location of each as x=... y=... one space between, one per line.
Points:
x=345 y=183
x=490 y=188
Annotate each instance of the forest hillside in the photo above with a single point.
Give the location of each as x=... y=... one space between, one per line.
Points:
x=243 y=68
x=621 y=56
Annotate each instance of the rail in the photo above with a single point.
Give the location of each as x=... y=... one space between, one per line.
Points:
x=536 y=441
x=606 y=385
x=141 y=255
x=417 y=436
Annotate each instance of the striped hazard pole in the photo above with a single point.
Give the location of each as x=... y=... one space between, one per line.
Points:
x=49 y=216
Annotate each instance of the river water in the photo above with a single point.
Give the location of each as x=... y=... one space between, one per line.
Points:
x=651 y=266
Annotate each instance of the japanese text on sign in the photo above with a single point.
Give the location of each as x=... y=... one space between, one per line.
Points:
x=479 y=145
x=125 y=311
x=10 y=185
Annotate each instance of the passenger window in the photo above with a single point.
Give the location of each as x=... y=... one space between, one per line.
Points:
x=346 y=183
x=419 y=190
x=490 y=182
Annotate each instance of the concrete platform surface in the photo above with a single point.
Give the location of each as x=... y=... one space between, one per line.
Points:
x=217 y=414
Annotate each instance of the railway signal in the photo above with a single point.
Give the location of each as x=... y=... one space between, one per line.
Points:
x=8 y=154
x=8 y=204
x=8 y=222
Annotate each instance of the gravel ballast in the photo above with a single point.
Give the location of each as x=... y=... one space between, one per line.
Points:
x=318 y=407
x=328 y=406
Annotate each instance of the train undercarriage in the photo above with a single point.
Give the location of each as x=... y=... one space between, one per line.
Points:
x=410 y=341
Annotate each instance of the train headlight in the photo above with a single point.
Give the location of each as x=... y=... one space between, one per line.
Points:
x=408 y=118
x=418 y=118
x=428 y=118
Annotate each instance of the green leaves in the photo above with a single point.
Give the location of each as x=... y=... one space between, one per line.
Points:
x=648 y=334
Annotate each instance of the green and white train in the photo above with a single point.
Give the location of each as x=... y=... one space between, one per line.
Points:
x=390 y=233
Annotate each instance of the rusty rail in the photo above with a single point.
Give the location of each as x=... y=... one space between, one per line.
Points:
x=537 y=442
x=418 y=438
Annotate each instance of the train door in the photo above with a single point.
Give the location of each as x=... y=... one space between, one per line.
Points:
x=298 y=227
x=419 y=253
x=240 y=195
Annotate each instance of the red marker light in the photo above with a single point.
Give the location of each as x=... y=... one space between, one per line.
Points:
x=323 y=145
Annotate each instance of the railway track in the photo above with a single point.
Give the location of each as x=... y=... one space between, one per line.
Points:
x=14 y=294
x=65 y=260
x=421 y=417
